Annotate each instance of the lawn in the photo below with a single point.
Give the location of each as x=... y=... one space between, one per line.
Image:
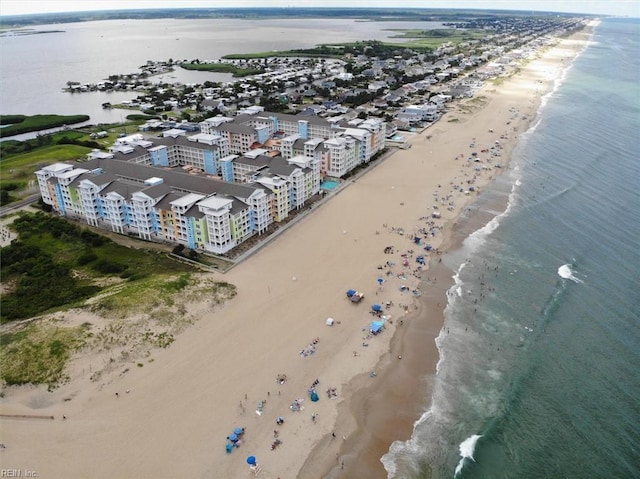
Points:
x=21 y=168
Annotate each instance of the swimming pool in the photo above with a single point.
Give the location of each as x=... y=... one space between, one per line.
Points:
x=329 y=185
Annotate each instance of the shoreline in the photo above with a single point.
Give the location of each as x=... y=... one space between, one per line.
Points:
x=361 y=454
x=196 y=392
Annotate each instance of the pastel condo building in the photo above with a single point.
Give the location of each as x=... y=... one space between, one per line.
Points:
x=213 y=190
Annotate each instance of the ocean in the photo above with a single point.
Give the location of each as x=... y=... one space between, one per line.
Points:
x=538 y=372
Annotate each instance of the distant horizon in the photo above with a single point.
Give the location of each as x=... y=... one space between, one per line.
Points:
x=626 y=8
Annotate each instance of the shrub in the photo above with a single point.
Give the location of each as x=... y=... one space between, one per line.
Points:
x=108 y=267
x=86 y=258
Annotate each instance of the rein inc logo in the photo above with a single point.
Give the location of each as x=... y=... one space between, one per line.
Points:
x=17 y=473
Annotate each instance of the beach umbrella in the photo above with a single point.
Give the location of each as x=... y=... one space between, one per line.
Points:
x=233 y=437
x=376 y=307
x=251 y=460
x=238 y=431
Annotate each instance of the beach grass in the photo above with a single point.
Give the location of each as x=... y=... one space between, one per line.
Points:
x=38 y=353
x=138 y=317
x=156 y=292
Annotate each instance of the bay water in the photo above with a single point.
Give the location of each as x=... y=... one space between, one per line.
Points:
x=36 y=68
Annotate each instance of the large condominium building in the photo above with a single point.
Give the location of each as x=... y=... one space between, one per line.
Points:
x=312 y=136
x=172 y=205
x=213 y=190
x=201 y=151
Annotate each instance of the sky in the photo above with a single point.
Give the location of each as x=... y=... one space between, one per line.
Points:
x=629 y=8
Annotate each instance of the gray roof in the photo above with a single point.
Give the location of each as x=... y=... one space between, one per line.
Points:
x=124 y=189
x=316 y=120
x=183 y=141
x=238 y=206
x=137 y=151
x=259 y=161
x=165 y=203
x=280 y=167
x=175 y=179
x=96 y=178
x=235 y=128
x=157 y=191
x=194 y=212
x=299 y=143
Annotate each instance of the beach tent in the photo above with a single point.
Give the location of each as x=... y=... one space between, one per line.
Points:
x=329 y=321
x=354 y=295
x=376 y=308
x=376 y=326
x=314 y=396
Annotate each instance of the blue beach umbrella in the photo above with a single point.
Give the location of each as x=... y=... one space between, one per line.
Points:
x=233 y=437
x=251 y=460
x=238 y=431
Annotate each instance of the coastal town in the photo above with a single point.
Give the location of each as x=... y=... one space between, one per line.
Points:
x=297 y=271
x=272 y=143
x=368 y=78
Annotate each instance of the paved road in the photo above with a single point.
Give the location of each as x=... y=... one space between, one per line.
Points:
x=11 y=208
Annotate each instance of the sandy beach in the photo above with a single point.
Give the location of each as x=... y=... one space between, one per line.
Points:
x=171 y=418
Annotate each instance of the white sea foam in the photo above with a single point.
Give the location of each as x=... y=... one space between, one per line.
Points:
x=467 y=448
x=457 y=281
x=406 y=449
x=476 y=239
x=438 y=342
x=565 y=272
